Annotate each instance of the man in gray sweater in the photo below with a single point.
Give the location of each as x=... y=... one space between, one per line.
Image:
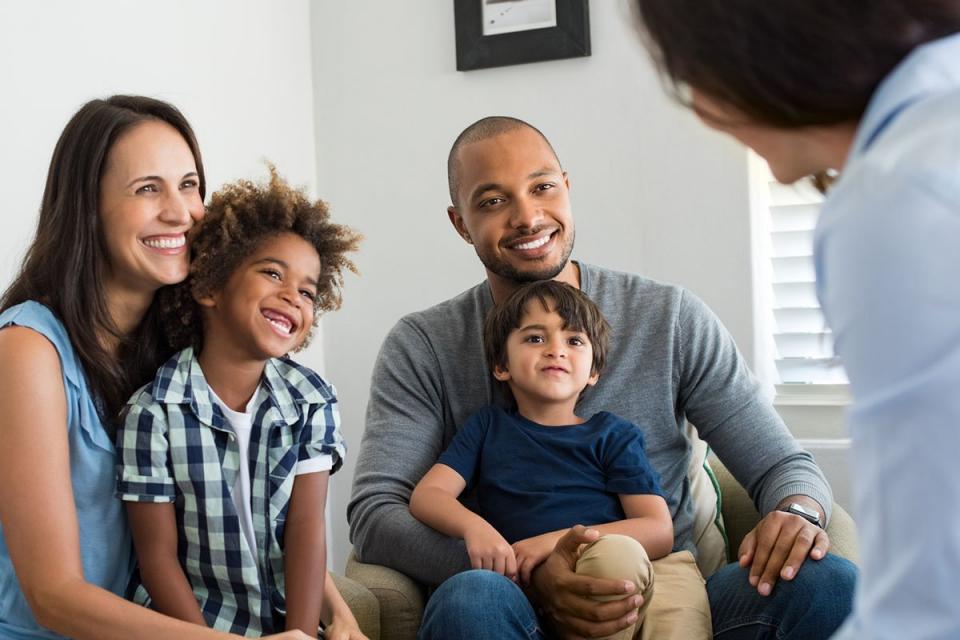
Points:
x=670 y=361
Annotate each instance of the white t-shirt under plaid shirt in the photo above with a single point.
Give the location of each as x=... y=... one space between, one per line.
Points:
x=176 y=446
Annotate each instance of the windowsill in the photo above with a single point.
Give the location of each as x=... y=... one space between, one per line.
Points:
x=806 y=395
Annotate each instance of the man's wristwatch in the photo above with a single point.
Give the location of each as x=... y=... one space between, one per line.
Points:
x=806 y=513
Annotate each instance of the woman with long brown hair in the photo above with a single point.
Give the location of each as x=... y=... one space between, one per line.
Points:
x=868 y=92
x=78 y=334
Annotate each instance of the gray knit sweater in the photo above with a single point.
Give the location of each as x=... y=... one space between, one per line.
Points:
x=670 y=360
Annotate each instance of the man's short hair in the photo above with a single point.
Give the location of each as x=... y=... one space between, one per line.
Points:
x=483 y=129
x=578 y=312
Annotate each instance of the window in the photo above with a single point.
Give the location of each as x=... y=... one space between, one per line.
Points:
x=802 y=344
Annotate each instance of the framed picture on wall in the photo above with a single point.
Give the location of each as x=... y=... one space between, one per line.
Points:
x=495 y=33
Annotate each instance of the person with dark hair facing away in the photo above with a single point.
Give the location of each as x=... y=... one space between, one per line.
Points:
x=542 y=469
x=225 y=456
x=79 y=332
x=867 y=93
x=671 y=361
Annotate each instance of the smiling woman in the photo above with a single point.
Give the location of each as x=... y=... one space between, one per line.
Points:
x=78 y=333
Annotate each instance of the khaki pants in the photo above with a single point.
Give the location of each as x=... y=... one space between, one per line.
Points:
x=680 y=609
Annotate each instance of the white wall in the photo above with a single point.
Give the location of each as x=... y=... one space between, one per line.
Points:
x=238 y=69
x=653 y=191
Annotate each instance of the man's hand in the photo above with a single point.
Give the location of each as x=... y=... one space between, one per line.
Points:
x=488 y=550
x=777 y=547
x=532 y=551
x=565 y=597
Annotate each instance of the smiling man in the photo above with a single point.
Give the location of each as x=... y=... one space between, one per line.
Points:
x=670 y=360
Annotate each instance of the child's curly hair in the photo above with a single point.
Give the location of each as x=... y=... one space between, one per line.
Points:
x=240 y=217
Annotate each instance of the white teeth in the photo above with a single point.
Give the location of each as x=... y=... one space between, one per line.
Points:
x=166 y=243
x=283 y=326
x=533 y=244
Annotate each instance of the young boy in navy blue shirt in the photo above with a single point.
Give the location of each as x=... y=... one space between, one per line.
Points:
x=225 y=456
x=542 y=469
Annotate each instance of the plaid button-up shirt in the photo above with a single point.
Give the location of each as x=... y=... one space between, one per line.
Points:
x=175 y=446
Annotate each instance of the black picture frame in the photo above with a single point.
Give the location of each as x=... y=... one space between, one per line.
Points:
x=569 y=39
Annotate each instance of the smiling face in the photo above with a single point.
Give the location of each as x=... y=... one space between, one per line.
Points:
x=547 y=365
x=149 y=199
x=266 y=308
x=513 y=206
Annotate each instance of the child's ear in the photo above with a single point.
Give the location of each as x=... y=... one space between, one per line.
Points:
x=592 y=380
x=501 y=373
x=204 y=300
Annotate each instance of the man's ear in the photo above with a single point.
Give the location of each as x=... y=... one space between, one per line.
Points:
x=501 y=373
x=457 y=221
x=566 y=180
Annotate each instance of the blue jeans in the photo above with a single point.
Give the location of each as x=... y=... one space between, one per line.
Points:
x=482 y=604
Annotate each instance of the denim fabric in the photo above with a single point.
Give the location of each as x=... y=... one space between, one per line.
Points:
x=482 y=604
x=809 y=607
x=479 y=604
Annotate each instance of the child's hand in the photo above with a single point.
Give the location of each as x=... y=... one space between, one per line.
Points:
x=488 y=550
x=343 y=630
x=532 y=551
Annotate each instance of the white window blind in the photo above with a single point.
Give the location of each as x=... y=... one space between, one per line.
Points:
x=804 y=344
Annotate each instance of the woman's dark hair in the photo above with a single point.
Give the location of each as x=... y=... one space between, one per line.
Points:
x=790 y=63
x=66 y=265
x=241 y=217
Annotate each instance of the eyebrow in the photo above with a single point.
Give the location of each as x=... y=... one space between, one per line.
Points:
x=283 y=264
x=533 y=327
x=493 y=186
x=191 y=174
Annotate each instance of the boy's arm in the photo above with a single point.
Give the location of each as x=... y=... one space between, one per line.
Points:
x=154 y=528
x=434 y=502
x=648 y=522
x=305 y=552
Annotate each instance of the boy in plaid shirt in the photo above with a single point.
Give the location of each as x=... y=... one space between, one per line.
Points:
x=225 y=456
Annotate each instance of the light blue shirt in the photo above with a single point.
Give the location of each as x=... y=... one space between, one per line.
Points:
x=105 y=547
x=888 y=276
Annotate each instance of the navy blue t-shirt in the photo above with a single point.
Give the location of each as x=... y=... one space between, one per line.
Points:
x=530 y=479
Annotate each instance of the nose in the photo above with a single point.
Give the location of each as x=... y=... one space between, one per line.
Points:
x=527 y=213
x=291 y=294
x=556 y=349
x=179 y=209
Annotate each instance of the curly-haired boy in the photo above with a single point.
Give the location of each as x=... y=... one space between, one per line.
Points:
x=225 y=456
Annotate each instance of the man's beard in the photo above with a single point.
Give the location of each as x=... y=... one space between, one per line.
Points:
x=532 y=274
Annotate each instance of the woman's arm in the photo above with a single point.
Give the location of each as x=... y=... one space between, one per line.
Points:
x=154 y=527
x=339 y=620
x=305 y=552
x=434 y=502
x=38 y=512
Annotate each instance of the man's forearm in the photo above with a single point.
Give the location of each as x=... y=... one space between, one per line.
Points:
x=392 y=537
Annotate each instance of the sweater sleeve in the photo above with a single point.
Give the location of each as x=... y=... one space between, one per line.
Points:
x=723 y=400
x=402 y=439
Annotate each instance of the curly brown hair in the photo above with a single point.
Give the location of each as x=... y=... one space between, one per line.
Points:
x=240 y=217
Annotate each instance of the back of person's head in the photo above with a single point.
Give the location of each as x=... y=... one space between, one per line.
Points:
x=241 y=216
x=66 y=264
x=787 y=63
x=578 y=312
x=483 y=129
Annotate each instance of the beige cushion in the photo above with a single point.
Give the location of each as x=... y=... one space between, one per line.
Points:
x=363 y=604
x=401 y=599
x=709 y=533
